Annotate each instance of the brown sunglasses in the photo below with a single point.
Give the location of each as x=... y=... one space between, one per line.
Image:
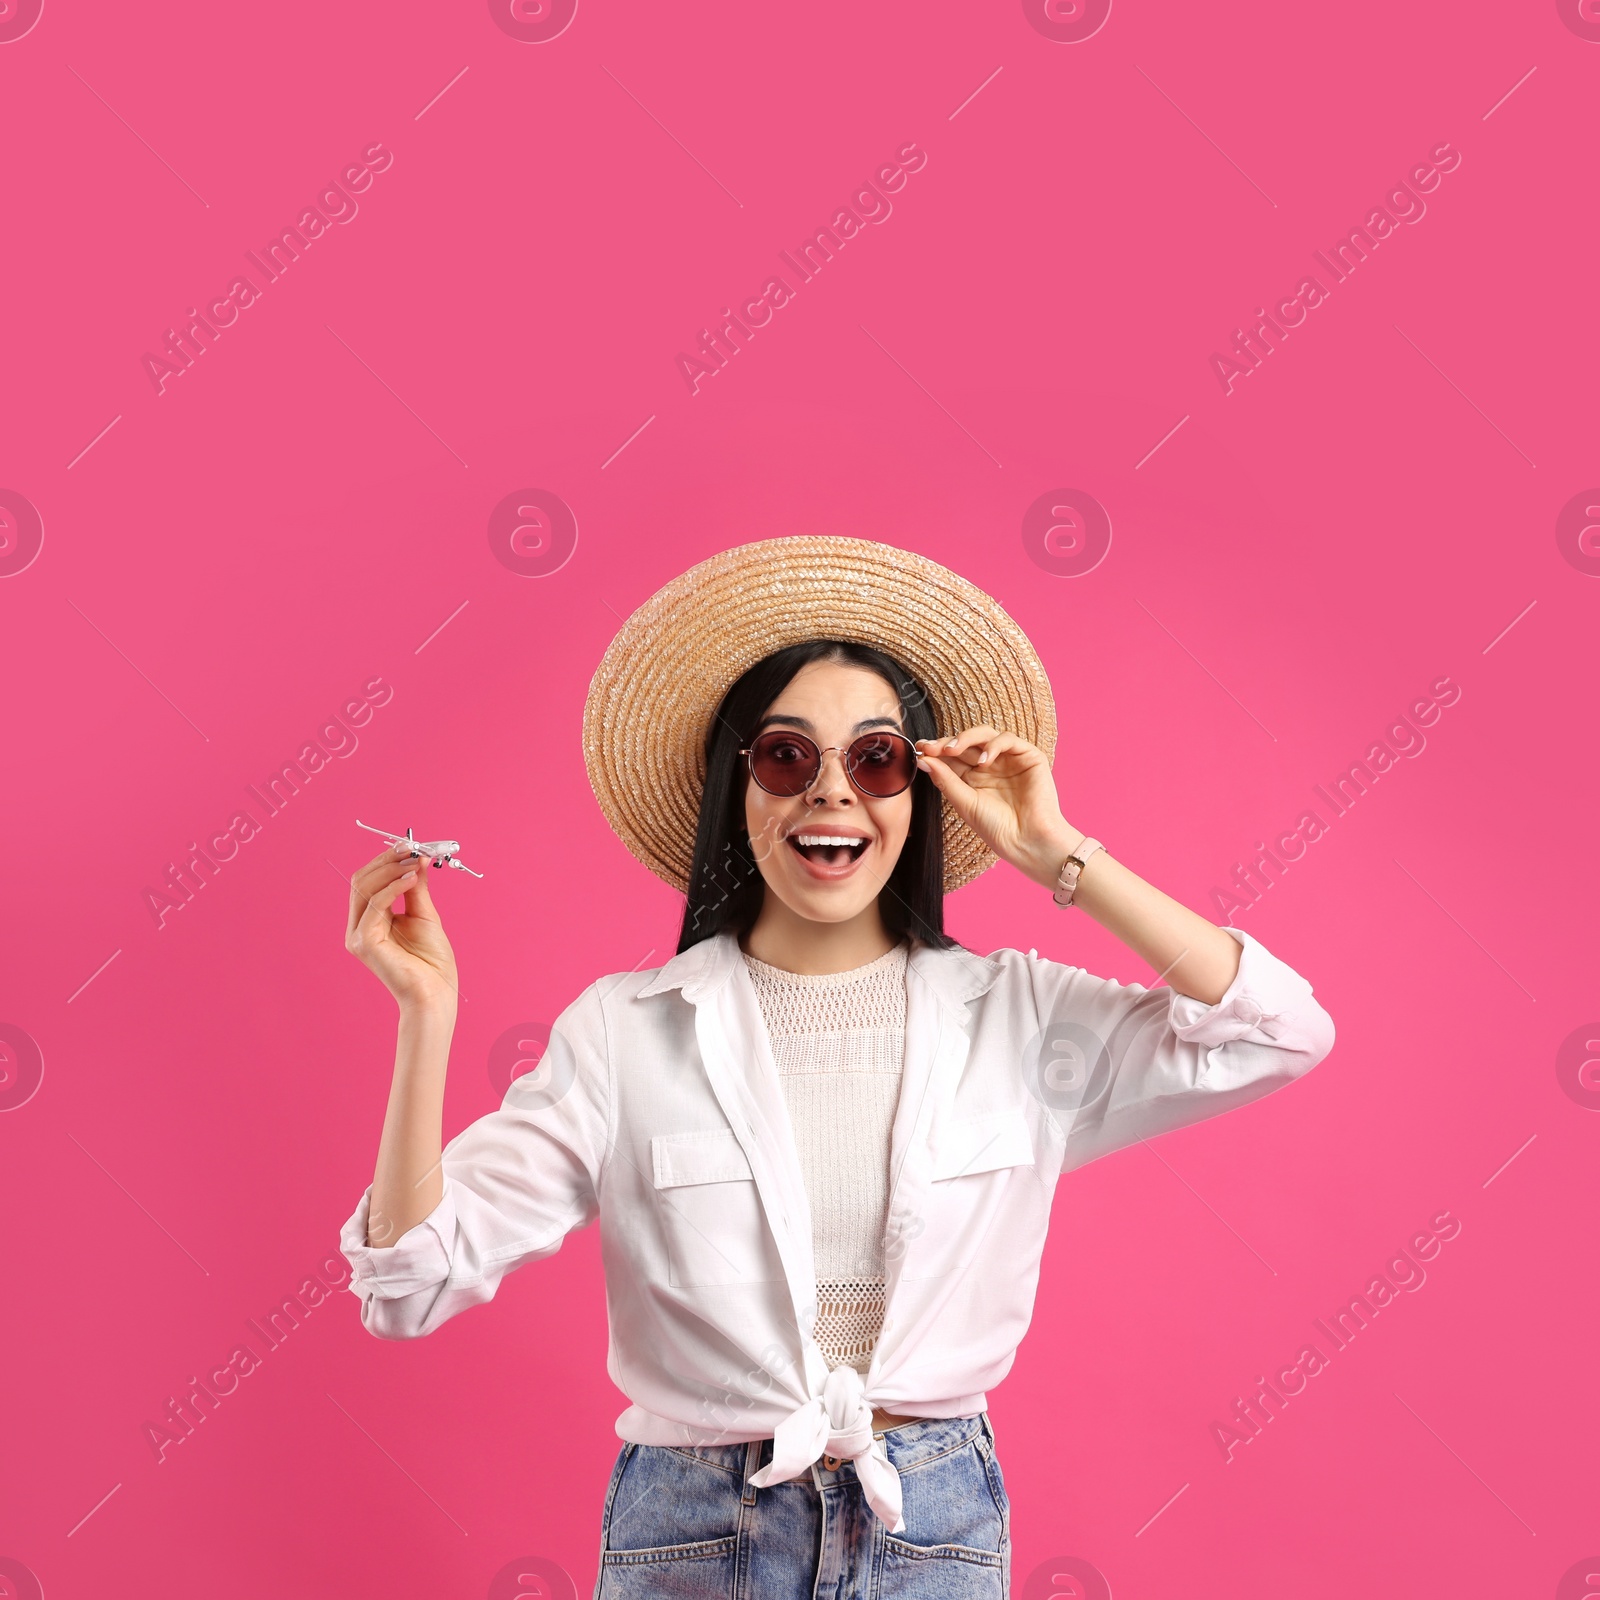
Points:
x=880 y=764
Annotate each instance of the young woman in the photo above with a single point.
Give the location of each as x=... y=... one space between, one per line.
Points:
x=822 y=1140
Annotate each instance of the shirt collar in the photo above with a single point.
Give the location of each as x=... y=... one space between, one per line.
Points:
x=956 y=976
x=698 y=970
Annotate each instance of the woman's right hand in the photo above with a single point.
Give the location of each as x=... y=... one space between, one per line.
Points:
x=409 y=952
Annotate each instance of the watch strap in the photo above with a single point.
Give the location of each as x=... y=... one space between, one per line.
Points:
x=1067 y=886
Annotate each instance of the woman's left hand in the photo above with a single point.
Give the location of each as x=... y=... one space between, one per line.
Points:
x=1001 y=787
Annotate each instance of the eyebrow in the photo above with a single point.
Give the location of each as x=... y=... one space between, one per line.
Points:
x=803 y=724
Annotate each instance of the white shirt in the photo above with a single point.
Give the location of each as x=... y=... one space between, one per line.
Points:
x=656 y=1109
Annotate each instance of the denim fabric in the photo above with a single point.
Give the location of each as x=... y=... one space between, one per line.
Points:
x=685 y=1523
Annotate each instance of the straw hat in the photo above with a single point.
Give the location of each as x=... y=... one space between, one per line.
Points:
x=653 y=696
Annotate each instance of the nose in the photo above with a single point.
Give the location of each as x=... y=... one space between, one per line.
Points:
x=832 y=782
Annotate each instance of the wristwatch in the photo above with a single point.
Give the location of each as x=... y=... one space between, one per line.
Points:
x=1074 y=864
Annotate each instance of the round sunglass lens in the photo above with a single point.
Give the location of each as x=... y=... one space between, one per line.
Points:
x=882 y=764
x=784 y=763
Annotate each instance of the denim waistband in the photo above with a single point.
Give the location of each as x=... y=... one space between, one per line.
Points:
x=906 y=1445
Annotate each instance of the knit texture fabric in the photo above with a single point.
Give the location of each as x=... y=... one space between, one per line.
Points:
x=838 y=1040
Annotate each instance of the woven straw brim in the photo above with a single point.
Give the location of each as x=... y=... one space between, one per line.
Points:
x=654 y=694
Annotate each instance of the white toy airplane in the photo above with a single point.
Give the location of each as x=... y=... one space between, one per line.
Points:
x=440 y=852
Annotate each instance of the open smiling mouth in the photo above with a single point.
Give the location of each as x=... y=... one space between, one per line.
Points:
x=829 y=855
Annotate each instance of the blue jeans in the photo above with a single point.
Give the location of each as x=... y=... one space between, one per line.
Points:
x=685 y=1523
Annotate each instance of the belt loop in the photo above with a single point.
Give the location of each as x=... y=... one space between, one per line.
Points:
x=752 y=1465
x=988 y=1431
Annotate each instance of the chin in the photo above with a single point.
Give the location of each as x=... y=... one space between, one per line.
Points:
x=826 y=905
x=823 y=908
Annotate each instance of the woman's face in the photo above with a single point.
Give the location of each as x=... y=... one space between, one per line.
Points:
x=831 y=703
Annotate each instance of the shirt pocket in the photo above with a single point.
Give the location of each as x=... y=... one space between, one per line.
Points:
x=976 y=1163
x=711 y=1213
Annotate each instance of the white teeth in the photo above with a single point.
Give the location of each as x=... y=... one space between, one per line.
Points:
x=827 y=838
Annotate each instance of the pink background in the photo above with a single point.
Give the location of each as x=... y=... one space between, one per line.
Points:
x=303 y=509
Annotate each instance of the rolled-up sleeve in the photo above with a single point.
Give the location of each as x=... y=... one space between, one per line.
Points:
x=1146 y=1061
x=516 y=1183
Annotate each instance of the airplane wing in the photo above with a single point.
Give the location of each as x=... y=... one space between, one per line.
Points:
x=393 y=838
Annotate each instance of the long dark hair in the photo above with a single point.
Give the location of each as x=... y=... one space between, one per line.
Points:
x=726 y=887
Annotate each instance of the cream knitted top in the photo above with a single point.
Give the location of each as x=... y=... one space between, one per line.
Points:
x=838 y=1040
